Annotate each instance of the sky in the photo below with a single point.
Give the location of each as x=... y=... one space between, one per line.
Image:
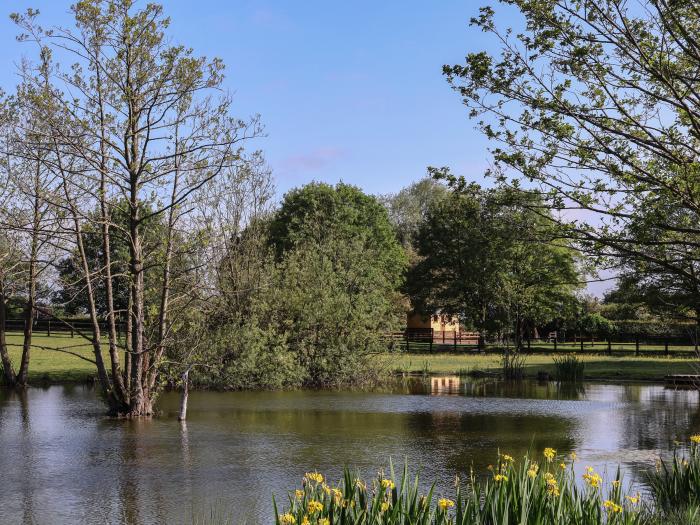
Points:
x=349 y=91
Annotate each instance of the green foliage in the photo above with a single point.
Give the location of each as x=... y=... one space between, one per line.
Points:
x=252 y=357
x=72 y=293
x=494 y=258
x=596 y=324
x=319 y=214
x=675 y=485
x=409 y=207
x=569 y=367
x=314 y=313
x=529 y=492
x=512 y=364
x=566 y=99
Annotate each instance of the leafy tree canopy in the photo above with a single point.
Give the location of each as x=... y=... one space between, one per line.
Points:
x=487 y=256
x=597 y=103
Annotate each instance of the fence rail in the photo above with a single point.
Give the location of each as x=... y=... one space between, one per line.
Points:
x=68 y=326
x=428 y=340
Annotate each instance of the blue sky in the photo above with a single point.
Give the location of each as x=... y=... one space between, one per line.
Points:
x=348 y=91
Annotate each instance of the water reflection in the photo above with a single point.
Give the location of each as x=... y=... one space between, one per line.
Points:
x=64 y=462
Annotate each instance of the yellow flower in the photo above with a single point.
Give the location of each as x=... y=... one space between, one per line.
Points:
x=361 y=484
x=593 y=479
x=562 y=466
x=616 y=483
x=388 y=484
x=500 y=477
x=533 y=470
x=287 y=519
x=508 y=458
x=445 y=503
x=305 y=520
x=695 y=438
x=385 y=506
x=314 y=476
x=549 y=453
x=299 y=494
x=633 y=499
x=572 y=455
x=324 y=521
x=611 y=506
x=314 y=506
x=337 y=495
x=326 y=489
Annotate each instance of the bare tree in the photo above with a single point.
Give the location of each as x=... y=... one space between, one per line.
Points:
x=28 y=220
x=138 y=126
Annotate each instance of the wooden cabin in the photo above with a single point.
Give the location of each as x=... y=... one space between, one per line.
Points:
x=438 y=322
x=440 y=329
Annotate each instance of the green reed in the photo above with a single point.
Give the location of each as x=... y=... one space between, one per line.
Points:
x=526 y=492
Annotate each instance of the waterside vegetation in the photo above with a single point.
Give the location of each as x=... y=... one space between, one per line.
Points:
x=529 y=491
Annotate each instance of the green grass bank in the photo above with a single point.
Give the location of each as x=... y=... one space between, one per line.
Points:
x=56 y=359
x=597 y=367
x=62 y=359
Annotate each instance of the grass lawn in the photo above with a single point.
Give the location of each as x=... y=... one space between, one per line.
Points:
x=52 y=366
x=597 y=367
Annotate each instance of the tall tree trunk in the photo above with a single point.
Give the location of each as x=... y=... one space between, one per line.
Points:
x=96 y=332
x=8 y=370
x=117 y=379
x=140 y=402
x=128 y=349
x=23 y=373
x=102 y=376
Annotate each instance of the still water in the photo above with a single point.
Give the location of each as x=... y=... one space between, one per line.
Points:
x=62 y=461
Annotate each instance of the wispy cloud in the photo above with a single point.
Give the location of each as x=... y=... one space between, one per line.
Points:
x=315 y=160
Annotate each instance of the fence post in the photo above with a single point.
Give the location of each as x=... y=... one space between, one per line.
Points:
x=48 y=329
x=555 y=343
x=636 y=346
x=455 y=345
x=408 y=344
x=581 y=343
x=666 y=346
x=609 y=347
x=71 y=331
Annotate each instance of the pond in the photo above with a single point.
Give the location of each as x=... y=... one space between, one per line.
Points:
x=62 y=461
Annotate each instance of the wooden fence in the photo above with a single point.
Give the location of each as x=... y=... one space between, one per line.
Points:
x=54 y=327
x=429 y=340
x=417 y=339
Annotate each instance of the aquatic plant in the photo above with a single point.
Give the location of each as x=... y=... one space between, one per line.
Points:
x=512 y=364
x=529 y=491
x=569 y=367
x=675 y=485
